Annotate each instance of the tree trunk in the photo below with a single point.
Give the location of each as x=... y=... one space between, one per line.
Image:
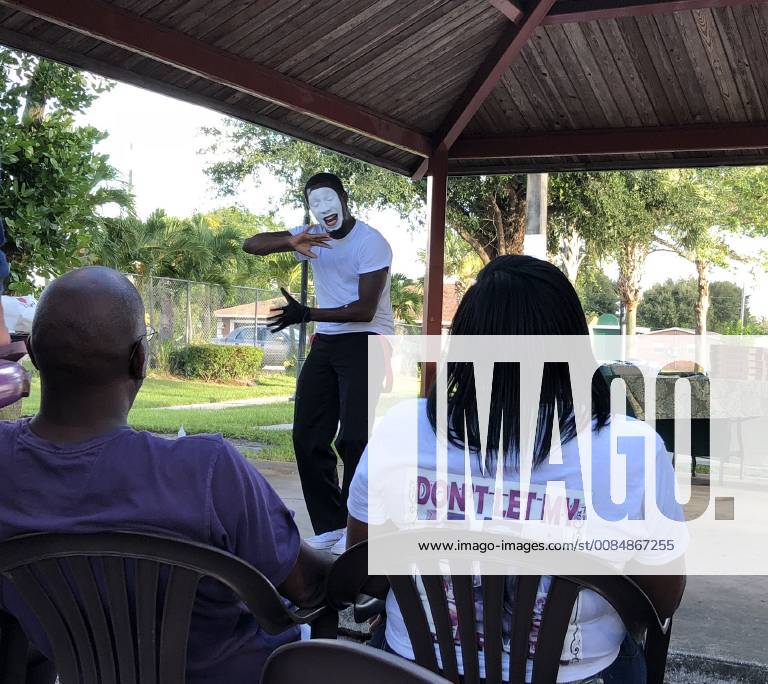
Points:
x=631 y=260
x=485 y=252
x=702 y=300
x=36 y=98
x=516 y=242
x=630 y=313
x=571 y=255
x=515 y=228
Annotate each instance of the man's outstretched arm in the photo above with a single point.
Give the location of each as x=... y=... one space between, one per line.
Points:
x=285 y=241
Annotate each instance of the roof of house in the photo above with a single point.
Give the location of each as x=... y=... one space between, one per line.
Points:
x=247 y=310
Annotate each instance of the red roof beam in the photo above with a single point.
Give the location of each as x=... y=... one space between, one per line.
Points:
x=487 y=78
x=122 y=28
x=581 y=11
x=698 y=138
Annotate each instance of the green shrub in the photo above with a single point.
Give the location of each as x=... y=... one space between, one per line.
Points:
x=161 y=353
x=217 y=363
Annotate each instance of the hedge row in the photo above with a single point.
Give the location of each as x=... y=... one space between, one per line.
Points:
x=217 y=363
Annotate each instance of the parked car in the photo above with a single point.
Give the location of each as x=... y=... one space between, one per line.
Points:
x=278 y=347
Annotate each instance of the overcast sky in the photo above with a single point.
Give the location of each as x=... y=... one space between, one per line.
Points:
x=157 y=139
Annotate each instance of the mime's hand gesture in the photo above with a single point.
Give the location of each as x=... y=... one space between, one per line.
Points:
x=304 y=242
x=290 y=314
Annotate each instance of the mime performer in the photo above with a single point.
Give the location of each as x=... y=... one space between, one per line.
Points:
x=351 y=263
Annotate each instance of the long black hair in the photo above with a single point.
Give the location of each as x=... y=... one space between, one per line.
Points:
x=516 y=295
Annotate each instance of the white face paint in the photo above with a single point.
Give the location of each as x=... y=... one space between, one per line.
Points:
x=326 y=207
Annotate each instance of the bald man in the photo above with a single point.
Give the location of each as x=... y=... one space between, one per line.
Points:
x=78 y=467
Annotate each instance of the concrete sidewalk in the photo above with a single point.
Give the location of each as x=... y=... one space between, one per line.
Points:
x=720 y=617
x=233 y=403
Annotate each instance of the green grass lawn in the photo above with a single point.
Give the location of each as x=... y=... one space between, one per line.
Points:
x=157 y=392
x=236 y=423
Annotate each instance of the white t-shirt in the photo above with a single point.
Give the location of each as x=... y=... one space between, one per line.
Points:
x=337 y=270
x=596 y=631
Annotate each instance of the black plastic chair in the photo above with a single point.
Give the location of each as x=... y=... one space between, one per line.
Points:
x=629 y=601
x=330 y=662
x=348 y=584
x=349 y=579
x=107 y=623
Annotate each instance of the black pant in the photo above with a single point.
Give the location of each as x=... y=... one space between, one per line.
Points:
x=332 y=392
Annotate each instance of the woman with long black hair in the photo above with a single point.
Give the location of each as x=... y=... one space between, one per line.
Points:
x=516 y=296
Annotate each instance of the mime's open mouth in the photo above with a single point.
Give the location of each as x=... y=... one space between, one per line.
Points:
x=331 y=220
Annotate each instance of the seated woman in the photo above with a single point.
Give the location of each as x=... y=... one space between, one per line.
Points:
x=520 y=295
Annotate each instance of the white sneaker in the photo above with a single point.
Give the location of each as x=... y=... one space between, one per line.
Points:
x=340 y=546
x=326 y=540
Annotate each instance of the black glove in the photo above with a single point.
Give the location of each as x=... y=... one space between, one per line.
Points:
x=293 y=312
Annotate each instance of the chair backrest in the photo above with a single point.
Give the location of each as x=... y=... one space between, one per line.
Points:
x=627 y=599
x=349 y=577
x=330 y=662
x=116 y=606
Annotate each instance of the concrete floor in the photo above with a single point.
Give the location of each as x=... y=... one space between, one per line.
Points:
x=720 y=617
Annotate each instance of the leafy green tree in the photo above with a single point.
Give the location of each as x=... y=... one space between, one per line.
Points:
x=168 y=247
x=53 y=183
x=407 y=298
x=632 y=206
x=707 y=205
x=243 y=151
x=488 y=212
x=574 y=219
x=673 y=304
x=461 y=261
x=597 y=292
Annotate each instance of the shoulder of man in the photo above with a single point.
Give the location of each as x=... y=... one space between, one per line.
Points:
x=373 y=239
x=9 y=430
x=371 y=233
x=207 y=445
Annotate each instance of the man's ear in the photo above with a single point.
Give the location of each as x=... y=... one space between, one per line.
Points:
x=31 y=351
x=138 y=368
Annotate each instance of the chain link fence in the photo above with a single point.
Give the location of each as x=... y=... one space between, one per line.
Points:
x=183 y=312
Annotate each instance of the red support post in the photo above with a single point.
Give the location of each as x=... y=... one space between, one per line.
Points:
x=437 y=198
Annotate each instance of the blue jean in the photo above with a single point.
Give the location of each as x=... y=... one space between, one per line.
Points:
x=628 y=668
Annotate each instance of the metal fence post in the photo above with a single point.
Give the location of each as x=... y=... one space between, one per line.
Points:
x=151 y=300
x=301 y=354
x=255 y=317
x=188 y=333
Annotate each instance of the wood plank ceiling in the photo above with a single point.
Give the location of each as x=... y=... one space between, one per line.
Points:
x=627 y=81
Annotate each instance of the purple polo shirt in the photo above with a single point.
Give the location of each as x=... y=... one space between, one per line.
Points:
x=199 y=488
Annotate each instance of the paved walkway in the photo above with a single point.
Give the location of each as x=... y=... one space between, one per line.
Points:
x=721 y=617
x=234 y=403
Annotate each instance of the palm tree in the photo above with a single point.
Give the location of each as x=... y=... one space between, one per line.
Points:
x=407 y=296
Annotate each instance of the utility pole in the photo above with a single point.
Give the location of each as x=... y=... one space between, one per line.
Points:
x=536 y=187
x=743 y=305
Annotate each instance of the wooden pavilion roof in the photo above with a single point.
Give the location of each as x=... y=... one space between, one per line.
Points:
x=503 y=85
